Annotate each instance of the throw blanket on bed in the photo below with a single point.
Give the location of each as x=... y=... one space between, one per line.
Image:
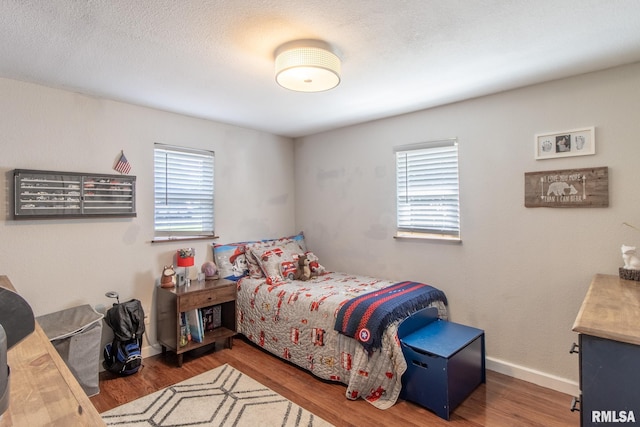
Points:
x=366 y=317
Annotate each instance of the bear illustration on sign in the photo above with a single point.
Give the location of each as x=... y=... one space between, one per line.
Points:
x=558 y=189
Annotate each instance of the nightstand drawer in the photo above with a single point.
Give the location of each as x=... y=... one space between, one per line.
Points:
x=206 y=298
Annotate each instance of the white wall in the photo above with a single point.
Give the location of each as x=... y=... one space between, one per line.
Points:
x=56 y=264
x=520 y=273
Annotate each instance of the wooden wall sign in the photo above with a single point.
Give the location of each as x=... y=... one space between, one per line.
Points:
x=569 y=188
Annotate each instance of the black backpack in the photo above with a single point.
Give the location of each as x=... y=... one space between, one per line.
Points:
x=123 y=355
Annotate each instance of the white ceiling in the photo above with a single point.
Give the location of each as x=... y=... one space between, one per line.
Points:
x=214 y=58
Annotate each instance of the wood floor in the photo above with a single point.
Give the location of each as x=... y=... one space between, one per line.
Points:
x=502 y=401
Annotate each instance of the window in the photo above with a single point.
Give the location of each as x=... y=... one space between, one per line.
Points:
x=183 y=191
x=427 y=191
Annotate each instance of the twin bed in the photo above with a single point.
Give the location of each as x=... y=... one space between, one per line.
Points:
x=338 y=326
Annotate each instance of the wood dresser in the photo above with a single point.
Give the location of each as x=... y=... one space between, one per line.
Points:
x=43 y=390
x=609 y=349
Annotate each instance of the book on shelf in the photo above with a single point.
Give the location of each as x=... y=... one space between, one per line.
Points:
x=207 y=318
x=195 y=325
x=184 y=324
x=211 y=317
x=201 y=324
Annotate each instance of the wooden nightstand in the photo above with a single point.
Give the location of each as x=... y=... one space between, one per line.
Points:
x=172 y=302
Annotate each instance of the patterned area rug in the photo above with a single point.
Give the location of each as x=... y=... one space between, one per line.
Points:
x=222 y=396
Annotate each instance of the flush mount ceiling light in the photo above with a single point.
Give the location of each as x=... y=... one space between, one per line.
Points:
x=307 y=66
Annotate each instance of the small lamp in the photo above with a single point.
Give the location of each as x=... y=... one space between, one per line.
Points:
x=307 y=66
x=186 y=258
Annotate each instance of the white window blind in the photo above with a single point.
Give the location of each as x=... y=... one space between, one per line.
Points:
x=428 y=200
x=183 y=191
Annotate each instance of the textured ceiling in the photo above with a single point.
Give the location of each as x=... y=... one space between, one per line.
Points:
x=214 y=59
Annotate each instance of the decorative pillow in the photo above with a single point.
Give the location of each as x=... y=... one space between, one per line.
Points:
x=273 y=259
x=255 y=272
x=231 y=260
x=255 y=269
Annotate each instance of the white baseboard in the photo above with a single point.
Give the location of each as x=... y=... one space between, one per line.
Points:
x=542 y=379
x=151 y=350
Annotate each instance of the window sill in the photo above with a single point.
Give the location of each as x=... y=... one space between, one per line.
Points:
x=164 y=239
x=413 y=235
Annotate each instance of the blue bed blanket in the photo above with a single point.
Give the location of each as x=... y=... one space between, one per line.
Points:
x=366 y=317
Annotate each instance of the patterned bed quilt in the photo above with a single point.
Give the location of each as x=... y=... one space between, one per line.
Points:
x=295 y=320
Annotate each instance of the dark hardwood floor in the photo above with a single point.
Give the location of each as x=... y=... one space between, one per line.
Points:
x=502 y=401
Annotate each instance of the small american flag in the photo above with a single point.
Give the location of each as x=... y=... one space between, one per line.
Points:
x=123 y=165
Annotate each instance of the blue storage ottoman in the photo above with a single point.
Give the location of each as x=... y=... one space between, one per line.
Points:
x=445 y=361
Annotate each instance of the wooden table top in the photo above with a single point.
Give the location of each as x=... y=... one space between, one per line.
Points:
x=611 y=310
x=43 y=390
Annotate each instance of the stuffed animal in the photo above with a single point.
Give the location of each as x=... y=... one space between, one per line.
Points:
x=303 y=272
x=316 y=268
